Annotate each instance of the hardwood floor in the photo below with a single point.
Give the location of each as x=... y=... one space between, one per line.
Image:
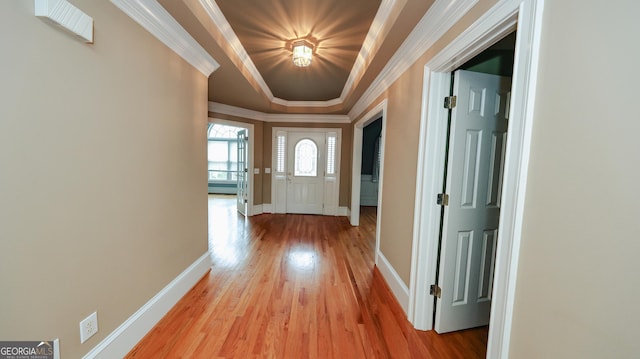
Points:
x=295 y=286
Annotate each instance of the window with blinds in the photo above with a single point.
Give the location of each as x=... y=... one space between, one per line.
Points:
x=280 y=153
x=331 y=154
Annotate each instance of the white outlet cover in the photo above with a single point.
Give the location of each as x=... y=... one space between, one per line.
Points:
x=256 y=171
x=267 y=170
x=88 y=327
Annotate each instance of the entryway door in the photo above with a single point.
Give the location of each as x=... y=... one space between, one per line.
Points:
x=473 y=182
x=305 y=172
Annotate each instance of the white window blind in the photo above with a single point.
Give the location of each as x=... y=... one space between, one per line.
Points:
x=331 y=155
x=281 y=148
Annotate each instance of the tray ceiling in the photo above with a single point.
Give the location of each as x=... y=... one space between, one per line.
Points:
x=249 y=38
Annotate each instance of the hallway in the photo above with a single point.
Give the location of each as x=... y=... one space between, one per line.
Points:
x=295 y=286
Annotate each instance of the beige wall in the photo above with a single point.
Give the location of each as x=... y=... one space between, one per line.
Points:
x=577 y=289
x=404 y=106
x=102 y=173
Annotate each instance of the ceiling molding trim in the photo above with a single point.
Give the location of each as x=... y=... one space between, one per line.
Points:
x=440 y=17
x=216 y=15
x=382 y=16
x=267 y=117
x=156 y=20
x=329 y=103
x=372 y=41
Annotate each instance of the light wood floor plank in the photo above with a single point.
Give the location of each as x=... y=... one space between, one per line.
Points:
x=295 y=286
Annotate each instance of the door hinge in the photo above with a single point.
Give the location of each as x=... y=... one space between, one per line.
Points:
x=435 y=290
x=246 y=201
x=443 y=199
x=246 y=170
x=450 y=102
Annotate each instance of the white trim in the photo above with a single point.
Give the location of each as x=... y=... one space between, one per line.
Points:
x=218 y=19
x=257 y=209
x=67 y=16
x=155 y=19
x=440 y=17
x=343 y=212
x=328 y=103
x=490 y=27
x=395 y=283
x=380 y=110
x=267 y=208
x=267 y=117
x=370 y=45
x=128 y=334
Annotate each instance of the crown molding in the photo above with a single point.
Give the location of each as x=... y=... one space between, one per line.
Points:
x=286 y=103
x=213 y=10
x=268 y=117
x=440 y=17
x=370 y=45
x=156 y=20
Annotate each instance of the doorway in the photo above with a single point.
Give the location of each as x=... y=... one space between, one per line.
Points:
x=503 y=18
x=378 y=112
x=230 y=161
x=306 y=170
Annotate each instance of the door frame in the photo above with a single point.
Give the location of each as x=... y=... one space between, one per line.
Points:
x=525 y=16
x=334 y=198
x=379 y=111
x=250 y=150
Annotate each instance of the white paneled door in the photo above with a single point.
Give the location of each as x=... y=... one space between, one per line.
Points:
x=305 y=172
x=473 y=182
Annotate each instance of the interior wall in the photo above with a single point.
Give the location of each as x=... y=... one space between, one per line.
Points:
x=404 y=108
x=102 y=171
x=577 y=292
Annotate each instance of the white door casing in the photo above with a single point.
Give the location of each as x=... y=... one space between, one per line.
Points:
x=474 y=184
x=502 y=18
x=242 y=172
x=293 y=193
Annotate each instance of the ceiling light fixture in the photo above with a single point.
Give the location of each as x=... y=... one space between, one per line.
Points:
x=302 y=52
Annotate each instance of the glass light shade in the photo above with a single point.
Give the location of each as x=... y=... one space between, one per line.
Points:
x=302 y=54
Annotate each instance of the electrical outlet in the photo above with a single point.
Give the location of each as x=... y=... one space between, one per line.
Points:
x=88 y=327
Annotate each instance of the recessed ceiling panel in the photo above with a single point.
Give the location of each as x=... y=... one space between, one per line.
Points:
x=265 y=29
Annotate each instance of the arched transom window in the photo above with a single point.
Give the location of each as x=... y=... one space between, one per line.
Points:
x=306 y=159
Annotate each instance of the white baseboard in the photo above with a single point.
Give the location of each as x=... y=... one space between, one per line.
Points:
x=396 y=284
x=343 y=211
x=257 y=210
x=128 y=334
x=267 y=208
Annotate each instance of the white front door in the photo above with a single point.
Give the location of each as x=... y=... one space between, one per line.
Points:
x=305 y=172
x=473 y=182
x=242 y=172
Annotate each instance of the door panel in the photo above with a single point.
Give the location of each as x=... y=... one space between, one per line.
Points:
x=474 y=181
x=305 y=172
